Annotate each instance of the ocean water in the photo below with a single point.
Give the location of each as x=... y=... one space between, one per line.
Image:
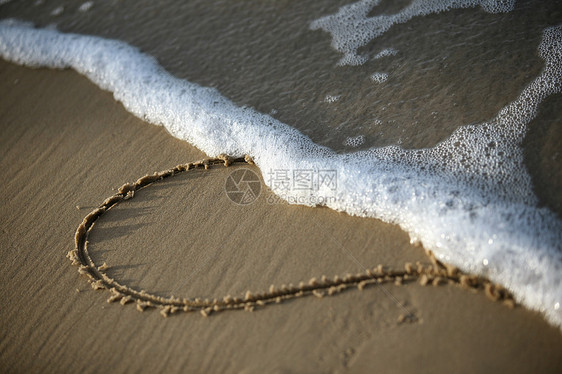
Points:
x=442 y=117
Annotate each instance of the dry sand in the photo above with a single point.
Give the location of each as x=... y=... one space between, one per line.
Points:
x=65 y=144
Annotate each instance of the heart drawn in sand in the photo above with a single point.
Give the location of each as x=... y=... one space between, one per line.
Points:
x=436 y=274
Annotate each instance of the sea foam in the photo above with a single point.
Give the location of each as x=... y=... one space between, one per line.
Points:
x=469 y=198
x=351 y=28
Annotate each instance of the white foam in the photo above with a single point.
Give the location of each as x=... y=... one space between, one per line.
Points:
x=385 y=52
x=332 y=98
x=57 y=11
x=379 y=77
x=351 y=29
x=86 y=6
x=469 y=198
x=355 y=141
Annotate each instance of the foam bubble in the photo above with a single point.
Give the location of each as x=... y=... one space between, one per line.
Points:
x=355 y=141
x=57 y=11
x=385 y=52
x=379 y=77
x=332 y=98
x=86 y=6
x=469 y=198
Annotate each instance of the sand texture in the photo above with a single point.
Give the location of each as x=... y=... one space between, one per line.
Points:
x=67 y=146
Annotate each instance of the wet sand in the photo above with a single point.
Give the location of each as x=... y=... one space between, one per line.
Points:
x=66 y=146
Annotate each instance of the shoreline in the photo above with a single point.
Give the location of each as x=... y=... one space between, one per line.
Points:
x=492 y=223
x=65 y=143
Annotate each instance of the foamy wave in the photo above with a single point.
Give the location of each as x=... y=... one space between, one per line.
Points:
x=351 y=29
x=469 y=198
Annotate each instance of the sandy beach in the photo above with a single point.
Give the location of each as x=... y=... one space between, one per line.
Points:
x=67 y=145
